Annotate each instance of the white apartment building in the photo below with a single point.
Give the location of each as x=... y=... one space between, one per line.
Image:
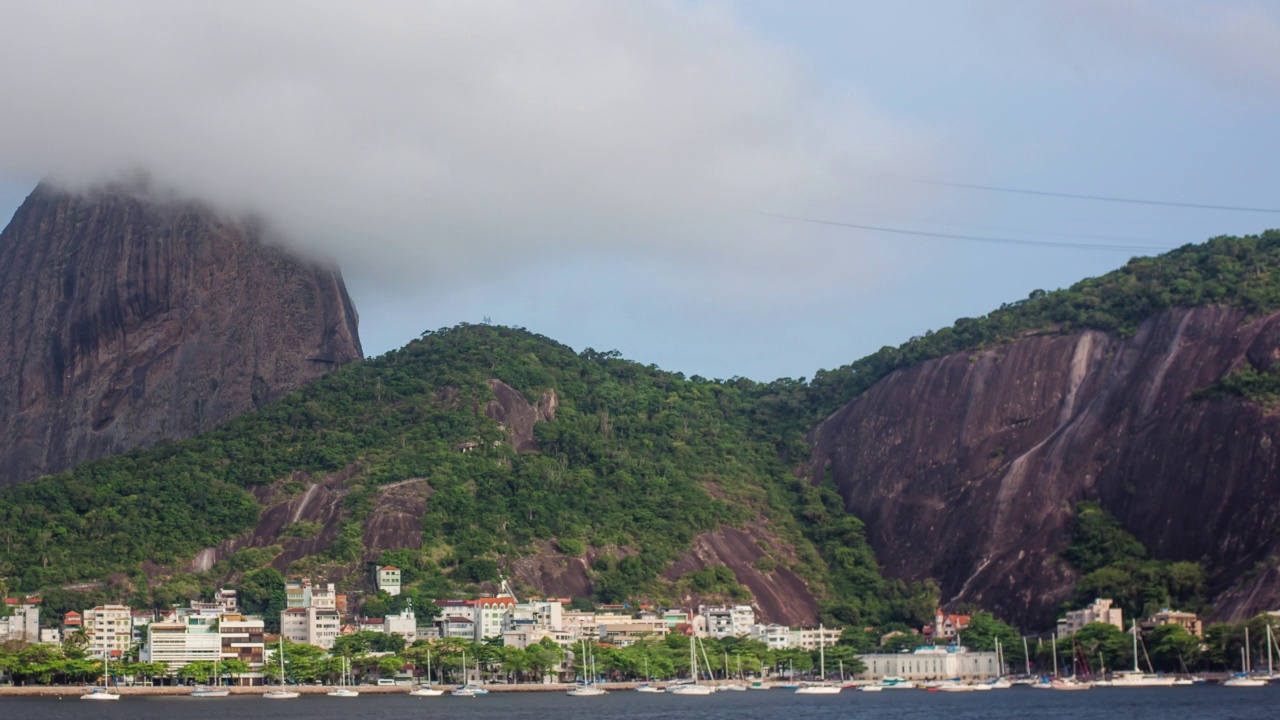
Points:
x=728 y=621
x=109 y=629
x=491 y=615
x=624 y=632
x=1100 y=611
x=813 y=638
x=311 y=625
x=22 y=625
x=387 y=578
x=404 y=624
x=301 y=593
x=187 y=635
x=931 y=662
x=178 y=640
x=777 y=637
x=781 y=637
x=140 y=619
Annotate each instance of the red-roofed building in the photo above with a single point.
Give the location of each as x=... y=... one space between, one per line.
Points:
x=72 y=619
x=945 y=626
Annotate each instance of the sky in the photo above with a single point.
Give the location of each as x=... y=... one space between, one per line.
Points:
x=627 y=175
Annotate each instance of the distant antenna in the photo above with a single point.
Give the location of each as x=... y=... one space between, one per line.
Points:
x=487 y=321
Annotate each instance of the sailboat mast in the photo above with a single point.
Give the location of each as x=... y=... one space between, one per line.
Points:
x=1134 y=629
x=1055 y=656
x=1026 y=654
x=822 y=653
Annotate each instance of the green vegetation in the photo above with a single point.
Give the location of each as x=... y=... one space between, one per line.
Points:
x=1261 y=387
x=637 y=463
x=1115 y=565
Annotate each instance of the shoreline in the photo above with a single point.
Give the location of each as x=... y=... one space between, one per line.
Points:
x=74 y=691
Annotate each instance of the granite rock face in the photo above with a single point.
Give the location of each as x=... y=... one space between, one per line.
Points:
x=968 y=468
x=124 y=321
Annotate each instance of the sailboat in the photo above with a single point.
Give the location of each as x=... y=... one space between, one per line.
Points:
x=1058 y=683
x=1244 y=679
x=204 y=691
x=693 y=688
x=735 y=685
x=343 y=691
x=999 y=682
x=281 y=693
x=647 y=686
x=823 y=687
x=103 y=693
x=1135 y=677
x=587 y=688
x=469 y=689
x=427 y=690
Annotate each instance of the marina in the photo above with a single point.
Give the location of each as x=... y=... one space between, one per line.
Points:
x=1171 y=703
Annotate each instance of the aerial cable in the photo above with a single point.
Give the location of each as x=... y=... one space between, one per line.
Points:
x=974 y=238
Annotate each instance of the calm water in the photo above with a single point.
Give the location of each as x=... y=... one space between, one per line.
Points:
x=1191 y=703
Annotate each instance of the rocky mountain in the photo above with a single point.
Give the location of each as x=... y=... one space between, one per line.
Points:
x=125 y=319
x=968 y=468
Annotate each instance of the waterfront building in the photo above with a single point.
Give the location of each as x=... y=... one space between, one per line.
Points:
x=931 y=662
x=109 y=629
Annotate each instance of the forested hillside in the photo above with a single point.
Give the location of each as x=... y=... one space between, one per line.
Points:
x=636 y=464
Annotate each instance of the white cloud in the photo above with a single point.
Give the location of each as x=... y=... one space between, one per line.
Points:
x=440 y=140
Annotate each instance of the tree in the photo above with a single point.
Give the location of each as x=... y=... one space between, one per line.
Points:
x=1103 y=643
x=1172 y=648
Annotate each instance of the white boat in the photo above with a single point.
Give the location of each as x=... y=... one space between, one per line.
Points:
x=588 y=688
x=691 y=689
x=204 y=691
x=954 y=687
x=824 y=687
x=1245 y=678
x=463 y=691
x=870 y=688
x=896 y=683
x=281 y=693
x=427 y=690
x=1244 y=681
x=645 y=687
x=1068 y=684
x=732 y=687
x=999 y=683
x=344 y=691
x=1135 y=677
x=210 y=692
x=102 y=693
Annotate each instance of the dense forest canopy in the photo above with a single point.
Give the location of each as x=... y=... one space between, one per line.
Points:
x=637 y=462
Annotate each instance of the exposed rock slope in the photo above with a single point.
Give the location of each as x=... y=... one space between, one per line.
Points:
x=124 y=322
x=967 y=468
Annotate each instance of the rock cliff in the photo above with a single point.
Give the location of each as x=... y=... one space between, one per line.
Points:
x=968 y=468
x=125 y=321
